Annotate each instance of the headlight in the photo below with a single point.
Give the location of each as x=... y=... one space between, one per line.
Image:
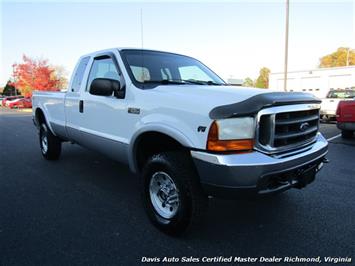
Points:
x=233 y=134
x=236 y=128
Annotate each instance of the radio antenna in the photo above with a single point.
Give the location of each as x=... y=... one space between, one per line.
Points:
x=142 y=57
x=142 y=28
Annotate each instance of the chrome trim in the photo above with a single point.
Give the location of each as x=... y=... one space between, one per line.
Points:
x=269 y=149
x=247 y=170
x=164 y=195
x=302 y=133
x=314 y=117
x=257 y=159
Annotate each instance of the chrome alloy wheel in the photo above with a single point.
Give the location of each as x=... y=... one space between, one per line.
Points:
x=44 y=142
x=164 y=195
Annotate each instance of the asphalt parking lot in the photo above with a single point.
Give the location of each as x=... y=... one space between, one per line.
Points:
x=86 y=209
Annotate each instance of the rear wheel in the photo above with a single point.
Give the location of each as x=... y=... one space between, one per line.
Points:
x=50 y=145
x=172 y=195
x=346 y=134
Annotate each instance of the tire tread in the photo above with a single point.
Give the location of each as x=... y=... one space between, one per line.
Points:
x=180 y=163
x=54 y=144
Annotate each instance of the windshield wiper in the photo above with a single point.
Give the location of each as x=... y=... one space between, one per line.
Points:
x=183 y=81
x=210 y=82
x=166 y=81
x=201 y=82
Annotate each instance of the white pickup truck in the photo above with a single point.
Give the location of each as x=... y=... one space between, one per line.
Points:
x=183 y=130
x=330 y=103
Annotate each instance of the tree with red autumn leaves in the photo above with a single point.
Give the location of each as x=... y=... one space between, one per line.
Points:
x=33 y=75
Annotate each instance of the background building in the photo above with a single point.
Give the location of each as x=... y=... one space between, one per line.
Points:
x=235 y=82
x=316 y=81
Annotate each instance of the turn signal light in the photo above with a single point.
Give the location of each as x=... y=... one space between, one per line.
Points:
x=214 y=144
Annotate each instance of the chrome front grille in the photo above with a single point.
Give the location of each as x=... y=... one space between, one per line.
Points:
x=295 y=127
x=287 y=127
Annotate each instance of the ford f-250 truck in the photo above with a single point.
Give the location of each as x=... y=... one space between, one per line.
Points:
x=186 y=133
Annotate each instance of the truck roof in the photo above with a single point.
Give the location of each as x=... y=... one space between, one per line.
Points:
x=124 y=48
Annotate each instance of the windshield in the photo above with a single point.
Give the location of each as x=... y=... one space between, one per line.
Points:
x=151 y=68
x=343 y=94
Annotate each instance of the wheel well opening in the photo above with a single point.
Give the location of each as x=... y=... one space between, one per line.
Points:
x=151 y=143
x=40 y=118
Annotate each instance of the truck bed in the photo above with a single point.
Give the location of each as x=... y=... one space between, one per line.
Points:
x=52 y=103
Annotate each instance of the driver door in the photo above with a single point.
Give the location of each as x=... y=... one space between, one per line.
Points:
x=102 y=125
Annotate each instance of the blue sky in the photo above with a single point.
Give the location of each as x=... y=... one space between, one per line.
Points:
x=234 y=38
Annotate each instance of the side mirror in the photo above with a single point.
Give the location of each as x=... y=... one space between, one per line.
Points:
x=104 y=86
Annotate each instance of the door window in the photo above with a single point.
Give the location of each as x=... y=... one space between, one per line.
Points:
x=103 y=68
x=79 y=74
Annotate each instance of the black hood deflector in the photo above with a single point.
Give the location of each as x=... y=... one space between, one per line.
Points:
x=254 y=104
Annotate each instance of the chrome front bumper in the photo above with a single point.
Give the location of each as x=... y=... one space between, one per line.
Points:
x=255 y=171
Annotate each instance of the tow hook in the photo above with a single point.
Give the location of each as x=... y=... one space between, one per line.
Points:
x=325 y=160
x=320 y=165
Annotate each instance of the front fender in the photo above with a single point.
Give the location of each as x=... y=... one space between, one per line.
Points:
x=168 y=130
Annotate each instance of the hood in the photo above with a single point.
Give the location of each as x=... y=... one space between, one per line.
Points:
x=227 y=101
x=209 y=96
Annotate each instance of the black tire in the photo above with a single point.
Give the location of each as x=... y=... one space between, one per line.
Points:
x=346 y=134
x=192 y=202
x=51 y=146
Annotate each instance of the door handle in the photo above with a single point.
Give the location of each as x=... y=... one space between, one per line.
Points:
x=81 y=106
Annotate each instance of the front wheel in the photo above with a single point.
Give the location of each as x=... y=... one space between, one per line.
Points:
x=50 y=145
x=172 y=195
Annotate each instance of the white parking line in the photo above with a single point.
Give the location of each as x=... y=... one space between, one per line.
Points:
x=337 y=136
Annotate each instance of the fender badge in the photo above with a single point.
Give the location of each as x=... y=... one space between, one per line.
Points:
x=135 y=111
x=201 y=129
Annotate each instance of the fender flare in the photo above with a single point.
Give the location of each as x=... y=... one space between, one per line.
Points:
x=170 y=131
x=45 y=118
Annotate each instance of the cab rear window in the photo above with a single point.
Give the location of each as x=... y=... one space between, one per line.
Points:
x=341 y=94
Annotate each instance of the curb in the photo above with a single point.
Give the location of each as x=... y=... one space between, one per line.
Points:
x=24 y=110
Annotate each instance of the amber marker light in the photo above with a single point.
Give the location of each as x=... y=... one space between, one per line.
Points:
x=215 y=144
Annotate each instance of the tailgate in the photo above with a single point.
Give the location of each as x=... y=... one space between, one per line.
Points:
x=329 y=105
x=347 y=111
